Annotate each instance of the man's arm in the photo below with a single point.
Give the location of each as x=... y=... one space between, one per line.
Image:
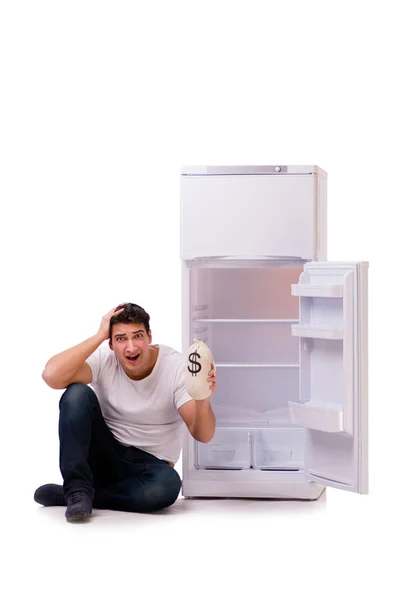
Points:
x=198 y=415
x=70 y=366
x=199 y=418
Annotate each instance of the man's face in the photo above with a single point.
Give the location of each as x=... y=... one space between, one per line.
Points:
x=131 y=346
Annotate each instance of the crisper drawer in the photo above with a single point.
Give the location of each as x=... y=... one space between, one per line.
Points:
x=249 y=216
x=229 y=449
x=265 y=449
x=278 y=449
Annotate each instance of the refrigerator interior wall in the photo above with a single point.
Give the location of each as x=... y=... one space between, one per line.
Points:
x=245 y=315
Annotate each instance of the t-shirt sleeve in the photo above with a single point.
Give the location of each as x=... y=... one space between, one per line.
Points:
x=95 y=362
x=181 y=396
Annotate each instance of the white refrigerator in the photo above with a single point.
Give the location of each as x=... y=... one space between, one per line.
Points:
x=287 y=330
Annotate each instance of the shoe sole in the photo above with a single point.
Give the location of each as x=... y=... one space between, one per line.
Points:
x=78 y=517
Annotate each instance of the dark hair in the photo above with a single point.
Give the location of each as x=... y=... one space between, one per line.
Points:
x=132 y=313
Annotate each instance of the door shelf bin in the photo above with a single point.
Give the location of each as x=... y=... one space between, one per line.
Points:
x=319 y=332
x=317 y=291
x=317 y=416
x=229 y=449
x=278 y=449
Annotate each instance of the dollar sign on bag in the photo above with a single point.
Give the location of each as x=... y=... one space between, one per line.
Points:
x=196 y=368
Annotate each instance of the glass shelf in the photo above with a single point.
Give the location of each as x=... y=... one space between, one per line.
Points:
x=206 y=320
x=269 y=365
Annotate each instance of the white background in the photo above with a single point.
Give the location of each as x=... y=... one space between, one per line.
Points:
x=101 y=103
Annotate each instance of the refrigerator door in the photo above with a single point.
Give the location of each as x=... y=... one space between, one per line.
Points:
x=333 y=332
x=253 y=215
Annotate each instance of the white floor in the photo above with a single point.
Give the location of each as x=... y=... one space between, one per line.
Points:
x=340 y=546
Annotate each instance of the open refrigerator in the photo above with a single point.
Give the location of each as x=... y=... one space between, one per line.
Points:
x=288 y=331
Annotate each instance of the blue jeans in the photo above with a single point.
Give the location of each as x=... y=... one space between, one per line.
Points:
x=92 y=460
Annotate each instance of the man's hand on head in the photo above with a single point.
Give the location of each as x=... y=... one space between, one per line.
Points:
x=104 y=328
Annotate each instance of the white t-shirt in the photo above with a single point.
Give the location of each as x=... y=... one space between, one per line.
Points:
x=143 y=413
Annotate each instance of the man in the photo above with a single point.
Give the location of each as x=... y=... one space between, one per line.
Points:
x=120 y=440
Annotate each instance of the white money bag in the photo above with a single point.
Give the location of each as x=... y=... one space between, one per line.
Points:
x=197 y=368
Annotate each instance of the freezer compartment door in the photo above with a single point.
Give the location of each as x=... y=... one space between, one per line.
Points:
x=333 y=334
x=251 y=216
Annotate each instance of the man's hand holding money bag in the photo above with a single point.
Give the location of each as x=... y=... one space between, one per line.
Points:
x=200 y=374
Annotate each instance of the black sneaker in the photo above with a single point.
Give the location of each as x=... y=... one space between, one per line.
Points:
x=50 y=495
x=79 y=506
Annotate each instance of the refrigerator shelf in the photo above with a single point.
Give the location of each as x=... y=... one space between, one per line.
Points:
x=317 y=291
x=205 y=320
x=270 y=365
x=318 y=331
x=314 y=415
x=260 y=425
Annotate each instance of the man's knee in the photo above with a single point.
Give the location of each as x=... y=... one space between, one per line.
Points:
x=164 y=491
x=175 y=485
x=77 y=396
